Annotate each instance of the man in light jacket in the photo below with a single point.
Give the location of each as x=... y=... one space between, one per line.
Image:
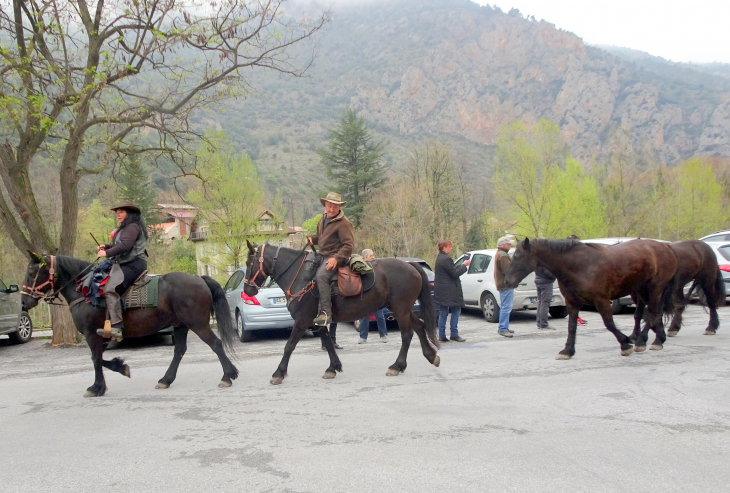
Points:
x=506 y=295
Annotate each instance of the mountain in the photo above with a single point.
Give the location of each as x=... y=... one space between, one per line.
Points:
x=455 y=71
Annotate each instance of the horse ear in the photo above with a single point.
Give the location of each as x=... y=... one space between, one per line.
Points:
x=526 y=244
x=250 y=247
x=36 y=258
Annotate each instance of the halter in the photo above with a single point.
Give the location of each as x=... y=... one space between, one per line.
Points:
x=251 y=282
x=35 y=291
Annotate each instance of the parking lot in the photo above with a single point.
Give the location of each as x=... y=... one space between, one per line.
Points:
x=497 y=415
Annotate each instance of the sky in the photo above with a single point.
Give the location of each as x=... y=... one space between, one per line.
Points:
x=696 y=31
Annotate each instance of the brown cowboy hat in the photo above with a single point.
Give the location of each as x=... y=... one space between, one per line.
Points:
x=126 y=204
x=333 y=197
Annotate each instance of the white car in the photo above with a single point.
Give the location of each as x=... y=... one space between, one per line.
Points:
x=480 y=291
x=720 y=236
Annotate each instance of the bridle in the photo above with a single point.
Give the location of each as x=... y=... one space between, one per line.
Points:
x=52 y=293
x=35 y=291
x=288 y=293
x=252 y=282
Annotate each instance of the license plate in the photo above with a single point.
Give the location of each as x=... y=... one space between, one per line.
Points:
x=281 y=300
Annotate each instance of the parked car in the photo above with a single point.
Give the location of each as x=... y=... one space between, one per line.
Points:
x=721 y=236
x=266 y=310
x=14 y=321
x=480 y=291
x=416 y=307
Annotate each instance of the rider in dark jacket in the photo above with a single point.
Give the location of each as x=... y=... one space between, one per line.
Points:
x=128 y=250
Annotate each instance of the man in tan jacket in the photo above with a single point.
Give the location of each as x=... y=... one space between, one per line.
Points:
x=336 y=241
x=506 y=296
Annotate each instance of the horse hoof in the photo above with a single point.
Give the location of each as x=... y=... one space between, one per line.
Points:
x=125 y=371
x=161 y=385
x=562 y=356
x=710 y=332
x=224 y=384
x=638 y=349
x=656 y=347
x=672 y=333
x=436 y=361
x=392 y=373
x=329 y=375
x=276 y=380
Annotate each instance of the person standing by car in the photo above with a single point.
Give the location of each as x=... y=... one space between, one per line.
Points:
x=506 y=295
x=544 y=283
x=364 y=324
x=447 y=290
x=128 y=251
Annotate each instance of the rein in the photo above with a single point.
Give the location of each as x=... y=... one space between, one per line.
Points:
x=288 y=293
x=52 y=294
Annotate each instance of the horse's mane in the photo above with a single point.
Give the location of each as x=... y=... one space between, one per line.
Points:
x=558 y=246
x=70 y=265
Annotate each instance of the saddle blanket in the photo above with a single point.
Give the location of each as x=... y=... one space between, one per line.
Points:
x=143 y=293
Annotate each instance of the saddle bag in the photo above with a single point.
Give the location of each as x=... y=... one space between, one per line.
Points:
x=348 y=283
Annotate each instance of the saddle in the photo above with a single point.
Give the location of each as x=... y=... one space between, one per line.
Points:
x=142 y=293
x=347 y=283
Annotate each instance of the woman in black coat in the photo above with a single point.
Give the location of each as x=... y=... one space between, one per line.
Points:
x=447 y=290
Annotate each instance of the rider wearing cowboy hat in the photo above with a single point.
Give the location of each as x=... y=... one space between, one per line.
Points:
x=128 y=251
x=336 y=241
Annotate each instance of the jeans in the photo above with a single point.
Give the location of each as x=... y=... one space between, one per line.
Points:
x=544 y=297
x=380 y=319
x=323 y=285
x=443 y=313
x=506 y=298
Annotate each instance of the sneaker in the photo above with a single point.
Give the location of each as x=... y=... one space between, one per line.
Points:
x=362 y=341
x=549 y=327
x=323 y=319
x=581 y=321
x=510 y=331
x=443 y=339
x=384 y=339
x=337 y=346
x=504 y=333
x=458 y=339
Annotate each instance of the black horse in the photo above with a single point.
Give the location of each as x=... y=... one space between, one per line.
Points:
x=184 y=301
x=697 y=264
x=596 y=274
x=398 y=285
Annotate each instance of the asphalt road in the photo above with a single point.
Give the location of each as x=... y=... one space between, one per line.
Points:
x=497 y=415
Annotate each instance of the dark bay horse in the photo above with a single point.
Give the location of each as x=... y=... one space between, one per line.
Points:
x=597 y=274
x=398 y=285
x=184 y=301
x=697 y=264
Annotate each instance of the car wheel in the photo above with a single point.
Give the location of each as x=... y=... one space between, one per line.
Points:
x=490 y=309
x=558 y=311
x=243 y=335
x=616 y=307
x=25 y=329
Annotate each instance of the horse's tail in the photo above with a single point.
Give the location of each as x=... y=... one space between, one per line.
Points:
x=428 y=309
x=222 y=314
x=720 y=292
x=668 y=296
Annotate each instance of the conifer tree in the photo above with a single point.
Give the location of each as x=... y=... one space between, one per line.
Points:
x=135 y=186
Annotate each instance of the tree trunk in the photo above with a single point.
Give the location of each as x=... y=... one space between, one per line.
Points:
x=64 y=330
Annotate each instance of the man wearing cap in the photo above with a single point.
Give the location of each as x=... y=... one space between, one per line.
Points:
x=506 y=295
x=128 y=251
x=336 y=241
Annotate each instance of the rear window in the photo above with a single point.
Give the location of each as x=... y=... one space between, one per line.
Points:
x=425 y=266
x=725 y=251
x=721 y=237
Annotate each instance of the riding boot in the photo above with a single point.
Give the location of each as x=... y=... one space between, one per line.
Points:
x=114 y=310
x=325 y=295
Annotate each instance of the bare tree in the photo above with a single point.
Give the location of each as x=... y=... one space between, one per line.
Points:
x=78 y=78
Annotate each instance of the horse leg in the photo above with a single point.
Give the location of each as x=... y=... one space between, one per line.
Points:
x=656 y=324
x=638 y=316
x=117 y=365
x=429 y=350
x=604 y=308
x=96 y=344
x=406 y=334
x=230 y=372
x=181 y=345
x=569 y=350
x=329 y=345
x=676 y=319
x=711 y=296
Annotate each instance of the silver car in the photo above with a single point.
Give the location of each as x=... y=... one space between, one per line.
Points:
x=266 y=310
x=14 y=321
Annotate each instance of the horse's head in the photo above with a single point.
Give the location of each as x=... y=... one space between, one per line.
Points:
x=523 y=262
x=39 y=279
x=255 y=264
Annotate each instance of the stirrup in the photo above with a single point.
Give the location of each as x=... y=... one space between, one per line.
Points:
x=322 y=320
